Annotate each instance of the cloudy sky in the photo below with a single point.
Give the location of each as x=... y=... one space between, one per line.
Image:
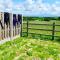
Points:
x=31 y=7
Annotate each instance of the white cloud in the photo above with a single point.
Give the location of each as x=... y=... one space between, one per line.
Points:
x=29 y=1
x=6 y=5
x=40 y=7
x=1 y=5
x=31 y=7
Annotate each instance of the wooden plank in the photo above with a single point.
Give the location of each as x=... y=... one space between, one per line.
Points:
x=17 y=25
x=11 y=25
x=19 y=28
x=57 y=31
x=39 y=29
x=3 y=24
x=8 y=31
x=37 y=33
x=40 y=34
x=38 y=24
x=57 y=25
x=16 y=30
x=41 y=24
x=5 y=31
x=13 y=30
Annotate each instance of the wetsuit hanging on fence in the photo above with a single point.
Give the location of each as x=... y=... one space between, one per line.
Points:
x=14 y=20
x=6 y=18
x=19 y=18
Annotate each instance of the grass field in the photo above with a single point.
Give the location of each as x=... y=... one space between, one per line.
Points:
x=30 y=49
x=42 y=27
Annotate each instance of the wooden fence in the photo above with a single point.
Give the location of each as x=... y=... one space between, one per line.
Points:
x=53 y=30
x=6 y=32
x=9 y=31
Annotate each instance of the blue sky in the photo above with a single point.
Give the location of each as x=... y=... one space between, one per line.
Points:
x=31 y=7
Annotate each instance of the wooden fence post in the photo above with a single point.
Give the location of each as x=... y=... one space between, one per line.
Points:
x=21 y=25
x=27 y=27
x=53 y=31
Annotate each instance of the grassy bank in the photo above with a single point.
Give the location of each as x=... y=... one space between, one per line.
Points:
x=30 y=49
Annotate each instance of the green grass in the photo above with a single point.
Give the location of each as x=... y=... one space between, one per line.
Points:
x=30 y=49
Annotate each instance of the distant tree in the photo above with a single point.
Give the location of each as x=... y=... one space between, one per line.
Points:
x=58 y=18
x=46 y=19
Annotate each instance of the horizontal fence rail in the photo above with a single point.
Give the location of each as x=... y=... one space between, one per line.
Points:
x=38 y=29
x=40 y=34
x=41 y=24
x=42 y=29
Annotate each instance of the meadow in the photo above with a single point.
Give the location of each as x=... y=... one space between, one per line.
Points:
x=30 y=49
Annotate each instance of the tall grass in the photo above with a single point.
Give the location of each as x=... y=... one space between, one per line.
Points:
x=30 y=49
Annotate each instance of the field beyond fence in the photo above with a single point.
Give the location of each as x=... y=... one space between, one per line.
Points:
x=41 y=29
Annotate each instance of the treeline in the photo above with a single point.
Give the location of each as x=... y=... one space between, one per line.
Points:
x=42 y=18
